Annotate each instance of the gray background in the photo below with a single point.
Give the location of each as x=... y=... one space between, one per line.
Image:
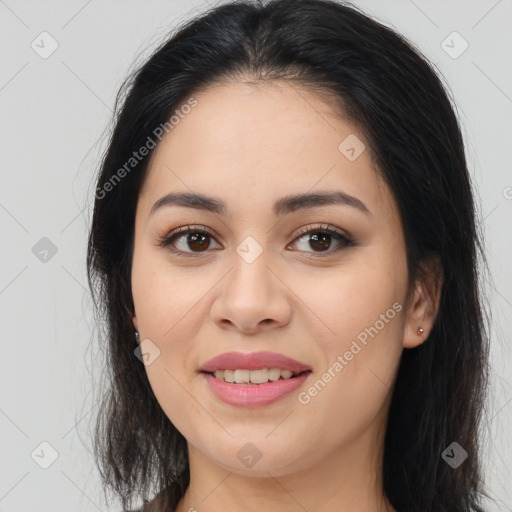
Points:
x=54 y=112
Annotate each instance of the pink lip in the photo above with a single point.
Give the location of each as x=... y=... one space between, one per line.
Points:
x=253 y=361
x=253 y=395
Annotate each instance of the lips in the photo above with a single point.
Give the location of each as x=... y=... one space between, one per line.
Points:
x=253 y=361
x=253 y=395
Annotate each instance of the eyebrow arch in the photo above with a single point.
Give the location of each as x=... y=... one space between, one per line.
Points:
x=283 y=206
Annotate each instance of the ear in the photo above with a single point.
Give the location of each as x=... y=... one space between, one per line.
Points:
x=424 y=305
x=135 y=323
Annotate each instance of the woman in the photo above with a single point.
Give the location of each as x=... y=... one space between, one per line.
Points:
x=284 y=247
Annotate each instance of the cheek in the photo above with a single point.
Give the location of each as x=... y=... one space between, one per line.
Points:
x=165 y=298
x=166 y=303
x=347 y=300
x=171 y=391
x=360 y=338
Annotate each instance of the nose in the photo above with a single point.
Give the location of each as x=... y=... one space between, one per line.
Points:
x=252 y=298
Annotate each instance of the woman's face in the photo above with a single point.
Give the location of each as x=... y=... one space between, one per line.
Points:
x=257 y=281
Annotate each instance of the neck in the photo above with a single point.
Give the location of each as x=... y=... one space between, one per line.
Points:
x=349 y=479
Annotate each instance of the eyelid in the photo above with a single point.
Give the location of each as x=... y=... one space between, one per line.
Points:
x=322 y=226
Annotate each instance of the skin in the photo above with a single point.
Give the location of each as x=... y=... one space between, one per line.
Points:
x=250 y=145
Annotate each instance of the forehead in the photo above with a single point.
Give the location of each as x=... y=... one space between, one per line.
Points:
x=255 y=144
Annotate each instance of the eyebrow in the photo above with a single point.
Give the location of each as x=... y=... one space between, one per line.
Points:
x=283 y=206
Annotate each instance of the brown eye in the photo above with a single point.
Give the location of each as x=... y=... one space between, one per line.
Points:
x=321 y=240
x=187 y=240
x=197 y=240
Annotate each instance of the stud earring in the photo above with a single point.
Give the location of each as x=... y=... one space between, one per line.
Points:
x=137 y=336
x=420 y=331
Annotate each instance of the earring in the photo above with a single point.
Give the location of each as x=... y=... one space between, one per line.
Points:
x=137 y=336
x=420 y=331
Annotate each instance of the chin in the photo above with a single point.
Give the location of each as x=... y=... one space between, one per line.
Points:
x=259 y=458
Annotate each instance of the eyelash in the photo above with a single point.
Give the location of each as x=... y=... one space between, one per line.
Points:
x=171 y=238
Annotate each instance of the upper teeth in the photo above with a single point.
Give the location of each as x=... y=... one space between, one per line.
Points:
x=253 y=376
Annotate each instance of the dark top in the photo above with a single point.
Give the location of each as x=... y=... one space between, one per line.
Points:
x=146 y=507
x=160 y=501
x=141 y=509
x=149 y=506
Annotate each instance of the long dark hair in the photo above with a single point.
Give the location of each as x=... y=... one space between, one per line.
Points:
x=386 y=86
